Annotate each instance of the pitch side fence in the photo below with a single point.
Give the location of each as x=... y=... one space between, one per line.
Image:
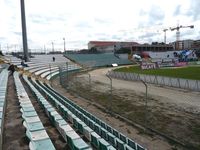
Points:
x=158 y=80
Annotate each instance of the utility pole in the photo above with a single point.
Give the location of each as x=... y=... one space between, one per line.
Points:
x=24 y=35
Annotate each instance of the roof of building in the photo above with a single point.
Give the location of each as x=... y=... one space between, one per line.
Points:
x=109 y=43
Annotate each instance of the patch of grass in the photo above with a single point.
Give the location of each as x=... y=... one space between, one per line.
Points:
x=186 y=72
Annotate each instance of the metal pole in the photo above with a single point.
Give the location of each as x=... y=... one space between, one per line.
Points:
x=52 y=47
x=67 y=73
x=110 y=92
x=145 y=121
x=64 y=44
x=60 y=74
x=89 y=80
x=50 y=74
x=24 y=35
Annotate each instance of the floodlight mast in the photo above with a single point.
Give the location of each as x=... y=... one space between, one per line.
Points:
x=24 y=34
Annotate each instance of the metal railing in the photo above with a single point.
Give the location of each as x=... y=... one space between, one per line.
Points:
x=158 y=80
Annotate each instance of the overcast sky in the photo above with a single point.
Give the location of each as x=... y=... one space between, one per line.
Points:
x=80 y=21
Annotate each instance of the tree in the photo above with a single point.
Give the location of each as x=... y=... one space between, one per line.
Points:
x=123 y=51
x=1 y=54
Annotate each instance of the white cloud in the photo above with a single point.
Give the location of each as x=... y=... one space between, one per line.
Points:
x=80 y=21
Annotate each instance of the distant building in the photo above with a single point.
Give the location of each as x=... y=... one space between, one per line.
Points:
x=152 y=47
x=183 y=44
x=109 y=46
x=196 y=45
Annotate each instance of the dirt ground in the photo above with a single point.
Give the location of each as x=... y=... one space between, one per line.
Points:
x=13 y=139
x=152 y=143
x=171 y=111
x=14 y=132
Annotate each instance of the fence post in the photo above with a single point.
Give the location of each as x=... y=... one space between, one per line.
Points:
x=110 y=107
x=145 y=123
x=138 y=77
x=60 y=71
x=156 y=80
x=179 y=85
x=89 y=80
x=170 y=80
x=67 y=73
x=187 y=84
x=197 y=85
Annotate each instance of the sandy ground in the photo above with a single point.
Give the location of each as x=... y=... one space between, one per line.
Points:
x=183 y=98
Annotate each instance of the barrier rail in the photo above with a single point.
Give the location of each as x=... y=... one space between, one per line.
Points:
x=158 y=80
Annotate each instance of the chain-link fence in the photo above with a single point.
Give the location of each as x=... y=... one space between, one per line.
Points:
x=171 y=112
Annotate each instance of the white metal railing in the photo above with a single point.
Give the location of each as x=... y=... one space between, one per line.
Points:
x=159 y=80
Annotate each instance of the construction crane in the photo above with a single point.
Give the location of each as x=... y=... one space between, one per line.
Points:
x=178 y=33
x=165 y=30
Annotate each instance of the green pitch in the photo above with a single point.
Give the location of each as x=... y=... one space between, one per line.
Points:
x=185 y=72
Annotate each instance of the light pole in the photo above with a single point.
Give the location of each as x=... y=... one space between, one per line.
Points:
x=52 y=47
x=24 y=35
x=64 y=44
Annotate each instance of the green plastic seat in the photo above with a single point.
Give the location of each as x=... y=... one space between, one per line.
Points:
x=95 y=139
